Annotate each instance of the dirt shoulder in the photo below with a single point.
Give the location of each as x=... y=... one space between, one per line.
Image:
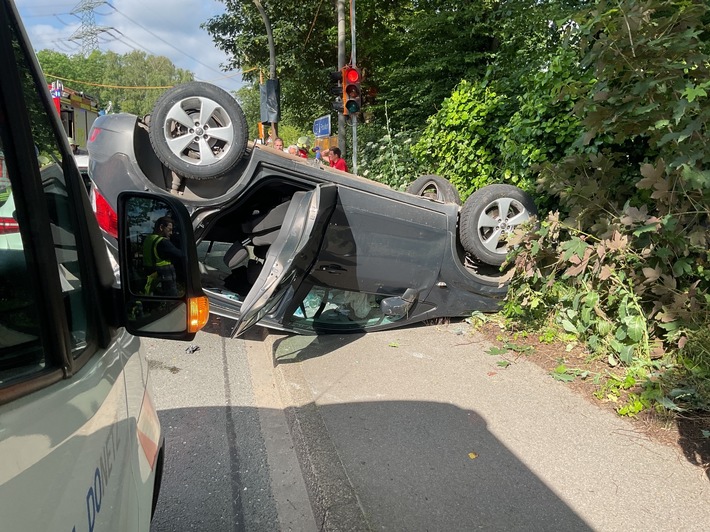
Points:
x=686 y=432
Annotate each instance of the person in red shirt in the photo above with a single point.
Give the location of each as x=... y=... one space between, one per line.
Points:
x=336 y=161
x=303 y=144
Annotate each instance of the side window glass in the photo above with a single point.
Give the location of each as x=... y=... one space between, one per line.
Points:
x=331 y=309
x=62 y=219
x=21 y=350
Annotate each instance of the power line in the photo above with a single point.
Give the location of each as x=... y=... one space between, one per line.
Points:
x=90 y=35
x=47 y=74
x=161 y=39
x=88 y=31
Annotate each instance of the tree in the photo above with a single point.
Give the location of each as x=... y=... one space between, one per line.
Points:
x=132 y=81
x=413 y=52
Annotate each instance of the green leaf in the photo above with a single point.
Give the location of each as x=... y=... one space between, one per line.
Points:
x=569 y=326
x=691 y=93
x=650 y=228
x=635 y=327
x=575 y=246
x=661 y=124
x=670 y=405
x=626 y=354
x=495 y=351
x=560 y=374
x=591 y=299
x=503 y=363
x=682 y=266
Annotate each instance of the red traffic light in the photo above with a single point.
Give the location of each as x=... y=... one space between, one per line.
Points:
x=352 y=75
x=351 y=90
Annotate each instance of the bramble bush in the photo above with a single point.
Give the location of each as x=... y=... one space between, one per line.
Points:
x=387 y=158
x=496 y=131
x=461 y=142
x=624 y=263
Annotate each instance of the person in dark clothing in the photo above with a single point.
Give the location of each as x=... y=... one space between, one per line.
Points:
x=158 y=254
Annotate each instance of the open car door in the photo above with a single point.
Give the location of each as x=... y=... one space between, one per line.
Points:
x=292 y=254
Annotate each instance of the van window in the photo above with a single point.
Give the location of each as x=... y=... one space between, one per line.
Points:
x=20 y=347
x=22 y=352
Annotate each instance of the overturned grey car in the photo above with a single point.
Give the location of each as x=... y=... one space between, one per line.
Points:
x=294 y=245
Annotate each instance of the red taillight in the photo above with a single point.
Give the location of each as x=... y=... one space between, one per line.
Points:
x=105 y=215
x=8 y=225
x=94 y=133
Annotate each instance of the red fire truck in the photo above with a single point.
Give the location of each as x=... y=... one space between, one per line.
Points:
x=77 y=110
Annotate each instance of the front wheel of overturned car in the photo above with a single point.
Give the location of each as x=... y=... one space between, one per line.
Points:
x=198 y=131
x=489 y=216
x=436 y=187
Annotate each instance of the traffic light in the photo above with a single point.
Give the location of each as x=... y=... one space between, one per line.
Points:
x=352 y=94
x=336 y=89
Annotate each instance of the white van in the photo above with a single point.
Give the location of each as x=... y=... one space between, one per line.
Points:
x=81 y=448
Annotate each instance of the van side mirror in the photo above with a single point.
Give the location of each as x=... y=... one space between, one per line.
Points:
x=160 y=278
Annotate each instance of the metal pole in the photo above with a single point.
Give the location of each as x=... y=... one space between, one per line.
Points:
x=272 y=53
x=354 y=63
x=341 y=64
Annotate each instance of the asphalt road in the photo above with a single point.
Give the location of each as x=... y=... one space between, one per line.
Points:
x=229 y=461
x=413 y=429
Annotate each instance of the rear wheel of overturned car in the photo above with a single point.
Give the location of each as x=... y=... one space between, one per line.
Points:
x=198 y=130
x=489 y=216
x=436 y=187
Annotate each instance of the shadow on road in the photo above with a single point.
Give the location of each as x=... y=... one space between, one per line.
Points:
x=412 y=466
x=696 y=447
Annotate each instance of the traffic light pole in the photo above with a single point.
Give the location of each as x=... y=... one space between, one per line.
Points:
x=341 y=64
x=353 y=62
x=272 y=69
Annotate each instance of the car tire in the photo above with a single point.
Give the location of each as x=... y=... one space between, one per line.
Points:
x=193 y=147
x=490 y=214
x=436 y=187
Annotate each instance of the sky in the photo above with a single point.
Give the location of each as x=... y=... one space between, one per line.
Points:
x=159 y=27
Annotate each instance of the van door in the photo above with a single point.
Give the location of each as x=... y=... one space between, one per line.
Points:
x=65 y=439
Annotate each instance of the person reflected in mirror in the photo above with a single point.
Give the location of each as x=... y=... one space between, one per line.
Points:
x=158 y=254
x=336 y=161
x=279 y=144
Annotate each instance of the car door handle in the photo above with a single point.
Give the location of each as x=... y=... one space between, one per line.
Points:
x=332 y=268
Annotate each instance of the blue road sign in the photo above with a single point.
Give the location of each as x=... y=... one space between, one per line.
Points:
x=321 y=126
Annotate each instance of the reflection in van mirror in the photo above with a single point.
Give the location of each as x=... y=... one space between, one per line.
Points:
x=156 y=249
x=160 y=281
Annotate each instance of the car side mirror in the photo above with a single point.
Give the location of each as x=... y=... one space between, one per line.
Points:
x=398 y=307
x=160 y=278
